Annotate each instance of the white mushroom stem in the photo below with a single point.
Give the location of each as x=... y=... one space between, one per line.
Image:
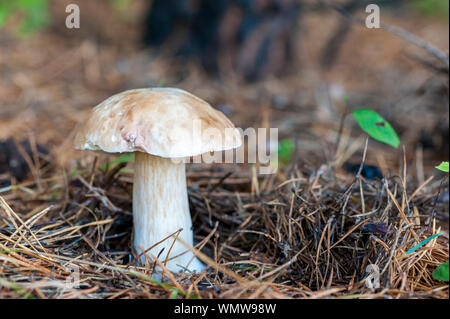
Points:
x=161 y=208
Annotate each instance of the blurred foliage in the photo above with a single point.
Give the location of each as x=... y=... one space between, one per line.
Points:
x=33 y=14
x=432 y=8
x=120 y=5
x=286 y=150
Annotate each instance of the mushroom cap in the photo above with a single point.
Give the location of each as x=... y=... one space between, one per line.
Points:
x=165 y=122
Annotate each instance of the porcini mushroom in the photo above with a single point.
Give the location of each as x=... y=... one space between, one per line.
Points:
x=161 y=126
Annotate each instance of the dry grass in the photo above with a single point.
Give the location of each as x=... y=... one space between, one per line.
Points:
x=298 y=234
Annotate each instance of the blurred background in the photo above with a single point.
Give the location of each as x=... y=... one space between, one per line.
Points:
x=297 y=65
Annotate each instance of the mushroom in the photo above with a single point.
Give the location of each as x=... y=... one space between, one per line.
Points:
x=163 y=127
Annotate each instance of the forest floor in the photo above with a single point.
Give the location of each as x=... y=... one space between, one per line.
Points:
x=308 y=231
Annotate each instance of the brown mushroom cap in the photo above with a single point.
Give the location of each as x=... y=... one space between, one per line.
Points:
x=165 y=122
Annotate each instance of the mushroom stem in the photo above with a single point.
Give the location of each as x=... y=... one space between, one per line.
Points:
x=161 y=208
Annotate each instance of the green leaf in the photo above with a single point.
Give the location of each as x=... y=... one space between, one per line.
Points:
x=286 y=150
x=441 y=272
x=443 y=167
x=125 y=158
x=376 y=126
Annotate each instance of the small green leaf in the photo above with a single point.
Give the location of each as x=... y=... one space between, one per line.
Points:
x=376 y=126
x=286 y=150
x=443 y=167
x=441 y=272
x=125 y=158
